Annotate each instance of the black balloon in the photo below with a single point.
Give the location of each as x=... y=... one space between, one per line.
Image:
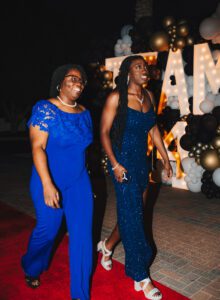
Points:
x=209 y=122
x=216 y=113
x=187 y=141
x=189 y=69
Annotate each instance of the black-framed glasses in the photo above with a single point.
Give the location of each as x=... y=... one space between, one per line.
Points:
x=76 y=79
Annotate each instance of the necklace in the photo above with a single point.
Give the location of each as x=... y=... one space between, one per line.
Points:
x=69 y=105
x=140 y=100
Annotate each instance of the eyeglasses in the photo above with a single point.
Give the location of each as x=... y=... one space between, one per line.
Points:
x=76 y=79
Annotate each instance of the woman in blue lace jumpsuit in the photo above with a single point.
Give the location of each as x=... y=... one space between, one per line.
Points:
x=60 y=131
x=127 y=118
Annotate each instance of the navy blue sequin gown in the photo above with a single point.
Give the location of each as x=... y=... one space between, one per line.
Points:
x=133 y=156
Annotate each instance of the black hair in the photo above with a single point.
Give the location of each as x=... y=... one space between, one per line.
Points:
x=122 y=88
x=58 y=77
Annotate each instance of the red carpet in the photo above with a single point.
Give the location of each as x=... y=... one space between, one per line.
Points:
x=15 y=230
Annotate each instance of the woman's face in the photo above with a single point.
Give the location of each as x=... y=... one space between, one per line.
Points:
x=73 y=84
x=138 y=73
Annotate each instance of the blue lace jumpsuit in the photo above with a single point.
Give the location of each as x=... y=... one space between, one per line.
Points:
x=68 y=136
x=133 y=156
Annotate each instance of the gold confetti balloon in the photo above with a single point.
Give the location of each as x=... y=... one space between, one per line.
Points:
x=168 y=21
x=216 y=142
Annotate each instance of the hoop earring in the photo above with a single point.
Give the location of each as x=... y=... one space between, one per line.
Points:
x=58 y=87
x=128 y=80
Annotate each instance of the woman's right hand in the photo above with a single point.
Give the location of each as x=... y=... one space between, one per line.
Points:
x=51 y=195
x=118 y=172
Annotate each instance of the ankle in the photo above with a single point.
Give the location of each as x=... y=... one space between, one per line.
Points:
x=109 y=245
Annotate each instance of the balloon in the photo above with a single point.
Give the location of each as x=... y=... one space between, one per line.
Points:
x=209 y=122
x=216 y=142
x=180 y=43
x=194 y=187
x=183 y=30
x=108 y=75
x=210 y=96
x=186 y=163
x=209 y=160
x=186 y=142
x=168 y=21
x=216 y=176
x=216 y=113
x=206 y=106
x=125 y=30
x=209 y=28
x=159 y=41
x=217 y=100
x=174 y=104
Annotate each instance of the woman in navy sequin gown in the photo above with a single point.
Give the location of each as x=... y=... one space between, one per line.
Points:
x=128 y=117
x=60 y=131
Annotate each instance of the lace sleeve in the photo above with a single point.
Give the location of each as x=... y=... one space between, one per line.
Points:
x=41 y=116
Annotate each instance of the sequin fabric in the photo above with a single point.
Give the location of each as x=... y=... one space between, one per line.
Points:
x=132 y=156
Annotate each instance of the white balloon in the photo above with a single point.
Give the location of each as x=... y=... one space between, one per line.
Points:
x=187 y=178
x=206 y=106
x=127 y=51
x=190 y=80
x=190 y=91
x=186 y=164
x=216 y=39
x=194 y=180
x=210 y=96
x=194 y=187
x=125 y=30
x=174 y=104
x=209 y=28
x=216 y=176
x=127 y=39
x=217 y=102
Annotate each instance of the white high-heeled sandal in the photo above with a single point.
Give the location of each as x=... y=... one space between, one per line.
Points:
x=150 y=295
x=107 y=264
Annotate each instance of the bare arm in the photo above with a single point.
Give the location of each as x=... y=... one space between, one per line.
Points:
x=158 y=142
x=38 y=140
x=108 y=115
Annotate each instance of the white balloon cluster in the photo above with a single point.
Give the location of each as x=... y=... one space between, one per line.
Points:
x=123 y=45
x=210 y=27
x=193 y=174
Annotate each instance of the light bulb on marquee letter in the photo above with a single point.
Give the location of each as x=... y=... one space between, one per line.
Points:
x=204 y=67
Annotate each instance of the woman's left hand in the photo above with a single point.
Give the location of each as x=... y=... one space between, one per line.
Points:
x=168 y=169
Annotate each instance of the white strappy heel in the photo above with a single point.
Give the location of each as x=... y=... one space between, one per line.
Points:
x=107 y=264
x=150 y=295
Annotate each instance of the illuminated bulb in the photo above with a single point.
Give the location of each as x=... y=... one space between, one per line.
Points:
x=207 y=56
x=213 y=71
x=211 y=64
x=181 y=71
x=115 y=63
x=201 y=75
x=217 y=80
x=202 y=67
x=201 y=94
x=202 y=58
x=176 y=91
x=203 y=49
x=174 y=62
x=201 y=84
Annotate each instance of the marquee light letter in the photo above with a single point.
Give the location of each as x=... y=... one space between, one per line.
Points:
x=204 y=65
x=175 y=67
